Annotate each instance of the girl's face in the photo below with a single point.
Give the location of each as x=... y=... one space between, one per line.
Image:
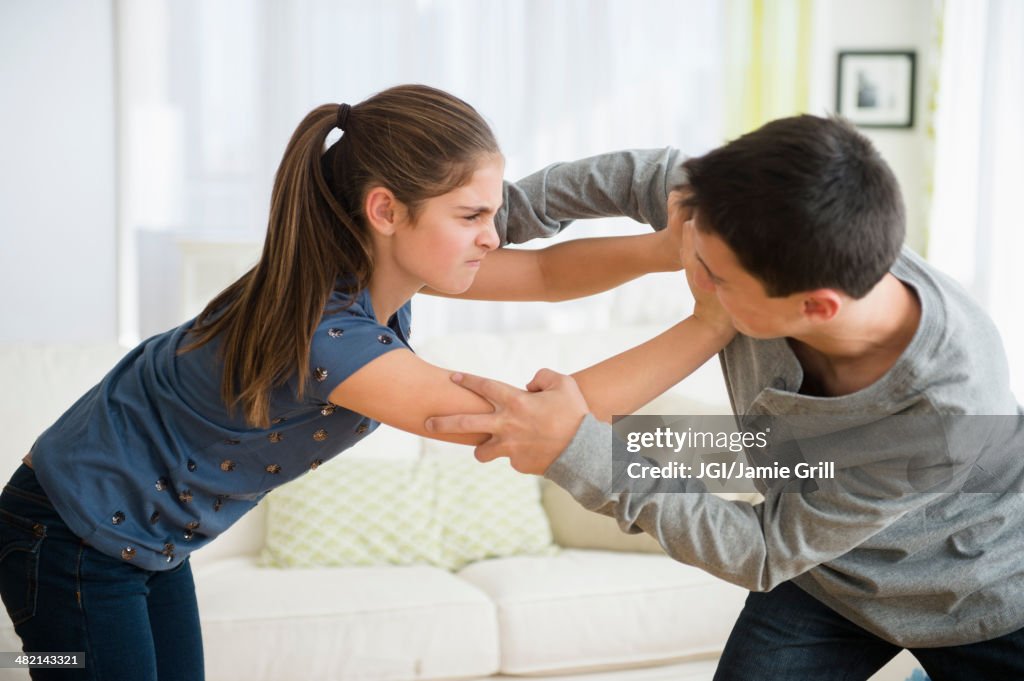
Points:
x=452 y=233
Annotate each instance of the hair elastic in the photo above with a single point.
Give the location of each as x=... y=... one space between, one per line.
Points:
x=343 y=112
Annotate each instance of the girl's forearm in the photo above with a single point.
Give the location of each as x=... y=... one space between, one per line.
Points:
x=624 y=383
x=572 y=269
x=583 y=267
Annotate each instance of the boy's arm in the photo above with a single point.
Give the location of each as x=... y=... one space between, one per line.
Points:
x=878 y=480
x=632 y=183
x=756 y=547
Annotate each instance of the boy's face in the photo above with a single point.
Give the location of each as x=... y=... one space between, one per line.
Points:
x=753 y=312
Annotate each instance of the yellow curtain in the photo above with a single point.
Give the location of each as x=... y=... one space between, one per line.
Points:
x=768 y=47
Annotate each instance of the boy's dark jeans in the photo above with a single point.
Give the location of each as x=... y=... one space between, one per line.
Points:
x=785 y=634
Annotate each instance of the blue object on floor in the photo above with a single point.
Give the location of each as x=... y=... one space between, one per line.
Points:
x=918 y=675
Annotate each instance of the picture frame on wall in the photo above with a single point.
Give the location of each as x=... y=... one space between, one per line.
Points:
x=875 y=88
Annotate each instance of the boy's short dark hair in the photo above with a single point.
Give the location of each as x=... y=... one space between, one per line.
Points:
x=805 y=203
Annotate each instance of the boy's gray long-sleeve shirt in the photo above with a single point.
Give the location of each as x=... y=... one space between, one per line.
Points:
x=633 y=183
x=923 y=567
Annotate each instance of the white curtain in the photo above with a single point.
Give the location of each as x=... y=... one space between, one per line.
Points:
x=976 y=225
x=211 y=92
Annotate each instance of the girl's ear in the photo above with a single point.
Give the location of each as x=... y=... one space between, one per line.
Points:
x=382 y=210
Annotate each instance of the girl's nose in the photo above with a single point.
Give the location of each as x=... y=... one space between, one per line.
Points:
x=488 y=237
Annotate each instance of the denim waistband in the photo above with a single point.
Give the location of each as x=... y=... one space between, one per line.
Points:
x=24 y=485
x=24 y=497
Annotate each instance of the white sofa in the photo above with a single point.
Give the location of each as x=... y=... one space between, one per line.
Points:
x=607 y=605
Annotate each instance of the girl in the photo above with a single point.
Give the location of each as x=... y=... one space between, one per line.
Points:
x=300 y=358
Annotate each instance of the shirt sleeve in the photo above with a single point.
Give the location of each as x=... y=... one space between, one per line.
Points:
x=754 y=546
x=344 y=342
x=633 y=183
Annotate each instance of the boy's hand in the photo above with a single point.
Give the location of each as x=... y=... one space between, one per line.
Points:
x=530 y=427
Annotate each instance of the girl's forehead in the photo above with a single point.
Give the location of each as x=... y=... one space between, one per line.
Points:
x=484 y=188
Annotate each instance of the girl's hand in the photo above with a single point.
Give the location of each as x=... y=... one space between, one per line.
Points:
x=705 y=302
x=671 y=244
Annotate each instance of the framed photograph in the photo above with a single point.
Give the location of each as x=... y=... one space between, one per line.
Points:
x=875 y=89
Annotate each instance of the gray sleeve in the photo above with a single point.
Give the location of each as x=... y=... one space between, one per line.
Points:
x=631 y=183
x=754 y=546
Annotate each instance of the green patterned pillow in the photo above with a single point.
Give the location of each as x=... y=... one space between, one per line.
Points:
x=488 y=511
x=445 y=512
x=354 y=513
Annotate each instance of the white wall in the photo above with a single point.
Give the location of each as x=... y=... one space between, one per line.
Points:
x=57 y=175
x=874 y=25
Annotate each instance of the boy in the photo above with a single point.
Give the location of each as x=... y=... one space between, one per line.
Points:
x=798 y=232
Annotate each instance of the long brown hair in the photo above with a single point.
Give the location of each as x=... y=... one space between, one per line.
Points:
x=414 y=140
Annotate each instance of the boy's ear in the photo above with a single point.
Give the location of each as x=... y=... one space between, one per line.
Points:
x=822 y=305
x=382 y=210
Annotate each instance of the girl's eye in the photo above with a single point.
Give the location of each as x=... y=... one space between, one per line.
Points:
x=473 y=218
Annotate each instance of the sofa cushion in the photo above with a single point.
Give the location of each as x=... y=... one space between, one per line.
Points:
x=355 y=513
x=441 y=511
x=574 y=527
x=582 y=610
x=265 y=624
x=40 y=382
x=488 y=511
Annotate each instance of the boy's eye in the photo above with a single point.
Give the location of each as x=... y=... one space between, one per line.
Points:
x=473 y=218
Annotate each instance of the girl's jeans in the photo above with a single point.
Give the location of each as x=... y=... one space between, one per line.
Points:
x=65 y=597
